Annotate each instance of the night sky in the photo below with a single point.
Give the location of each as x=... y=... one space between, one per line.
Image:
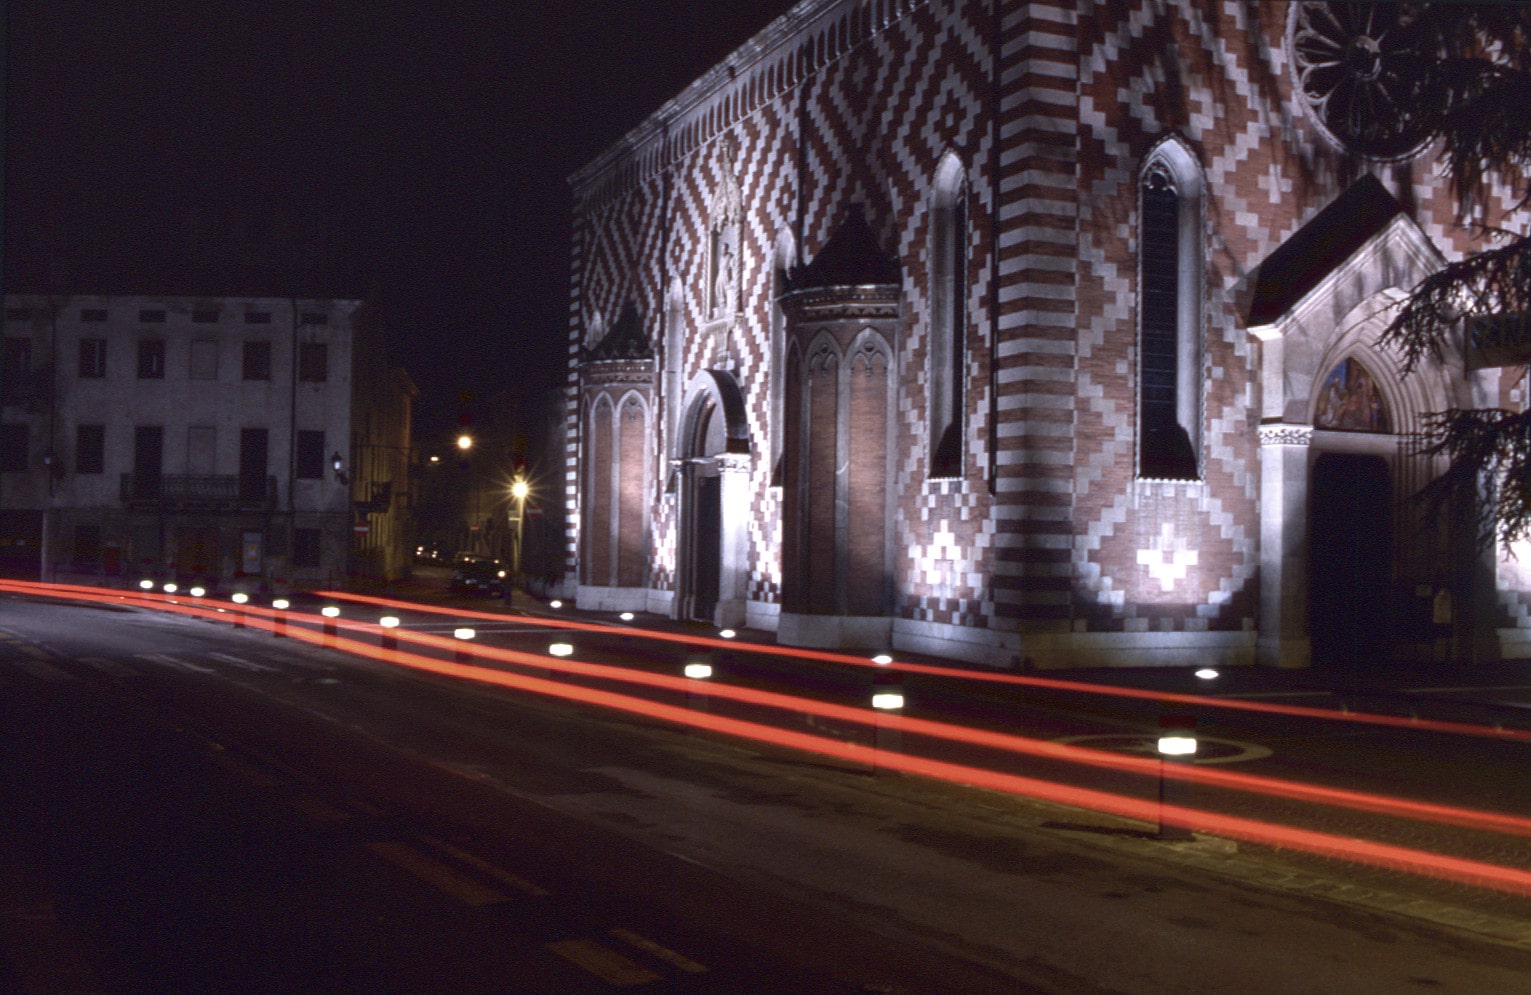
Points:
x=412 y=154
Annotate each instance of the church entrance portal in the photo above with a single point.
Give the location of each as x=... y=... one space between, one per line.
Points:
x=701 y=509
x=1349 y=561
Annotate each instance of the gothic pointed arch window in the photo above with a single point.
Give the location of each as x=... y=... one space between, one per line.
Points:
x=948 y=316
x=1171 y=259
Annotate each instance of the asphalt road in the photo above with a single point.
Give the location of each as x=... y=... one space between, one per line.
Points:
x=188 y=808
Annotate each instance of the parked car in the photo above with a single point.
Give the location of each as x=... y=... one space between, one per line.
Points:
x=479 y=575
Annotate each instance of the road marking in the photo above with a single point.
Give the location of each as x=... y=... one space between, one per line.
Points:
x=477 y=863
x=319 y=810
x=109 y=667
x=433 y=871
x=665 y=954
x=240 y=661
x=171 y=661
x=43 y=670
x=603 y=962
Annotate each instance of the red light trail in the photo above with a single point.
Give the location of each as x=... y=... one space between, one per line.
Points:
x=1362 y=851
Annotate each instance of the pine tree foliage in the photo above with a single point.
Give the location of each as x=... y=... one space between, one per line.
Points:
x=1474 y=95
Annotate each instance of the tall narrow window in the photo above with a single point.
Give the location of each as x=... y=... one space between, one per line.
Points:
x=310 y=454
x=257 y=359
x=1169 y=316
x=92 y=359
x=151 y=359
x=313 y=362
x=948 y=318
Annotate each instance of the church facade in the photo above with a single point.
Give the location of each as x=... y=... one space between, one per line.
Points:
x=1027 y=334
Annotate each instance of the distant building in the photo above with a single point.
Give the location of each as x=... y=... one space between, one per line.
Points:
x=252 y=442
x=1034 y=334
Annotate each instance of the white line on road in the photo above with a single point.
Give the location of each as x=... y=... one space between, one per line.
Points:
x=240 y=661
x=171 y=661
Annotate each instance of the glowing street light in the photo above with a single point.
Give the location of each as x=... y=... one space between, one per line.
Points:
x=465 y=442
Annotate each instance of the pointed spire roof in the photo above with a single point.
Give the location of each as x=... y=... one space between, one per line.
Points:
x=851 y=258
x=626 y=339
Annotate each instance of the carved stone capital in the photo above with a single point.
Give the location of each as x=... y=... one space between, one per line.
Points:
x=1284 y=434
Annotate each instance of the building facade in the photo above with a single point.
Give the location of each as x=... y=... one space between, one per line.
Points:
x=237 y=442
x=1031 y=334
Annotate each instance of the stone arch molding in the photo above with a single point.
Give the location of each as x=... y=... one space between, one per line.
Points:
x=724 y=391
x=1343 y=314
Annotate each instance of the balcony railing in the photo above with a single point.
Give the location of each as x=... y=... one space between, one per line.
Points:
x=241 y=492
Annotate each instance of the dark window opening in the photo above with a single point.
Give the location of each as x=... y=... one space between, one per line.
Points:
x=148 y=460
x=257 y=317
x=93 y=314
x=1165 y=450
x=92 y=359
x=151 y=315
x=151 y=359
x=313 y=318
x=17 y=358
x=257 y=360
x=252 y=464
x=18 y=314
x=204 y=317
x=90 y=449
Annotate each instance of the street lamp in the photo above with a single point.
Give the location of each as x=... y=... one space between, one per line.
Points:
x=519 y=489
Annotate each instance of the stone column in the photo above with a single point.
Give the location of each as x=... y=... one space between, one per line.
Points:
x=1284 y=640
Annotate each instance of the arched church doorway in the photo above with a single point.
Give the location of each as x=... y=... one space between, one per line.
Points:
x=701 y=510
x=1349 y=558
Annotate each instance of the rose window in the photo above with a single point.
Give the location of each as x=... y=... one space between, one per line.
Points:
x=1357 y=66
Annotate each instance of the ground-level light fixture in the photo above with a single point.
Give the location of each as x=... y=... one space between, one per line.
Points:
x=1206 y=673
x=170 y=588
x=463 y=633
x=329 y=611
x=281 y=604
x=626 y=616
x=239 y=597
x=561 y=649
x=727 y=633
x=197 y=592
x=388 y=622
x=882 y=659
x=888 y=701
x=698 y=671
x=147 y=585
x=1177 y=745
x=555 y=603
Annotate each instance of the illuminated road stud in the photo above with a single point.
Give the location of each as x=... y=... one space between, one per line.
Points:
x=555 y=603
x=882 y=659
x=170 y=588
x=1207 y=674
x=279 y=624
x=696 y=691
x=388 y=640
x=727 y=633
x=626 y=616
x=464 y=636
x=330 y=613
x=239 y=598
x=1176 y=744
x=147 y=585
x=197 y=592
x=561 y=649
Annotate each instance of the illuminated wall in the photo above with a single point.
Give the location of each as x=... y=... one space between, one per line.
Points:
x=1016 y=161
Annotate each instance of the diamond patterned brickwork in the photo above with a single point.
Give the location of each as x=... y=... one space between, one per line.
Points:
x=1048 y=528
